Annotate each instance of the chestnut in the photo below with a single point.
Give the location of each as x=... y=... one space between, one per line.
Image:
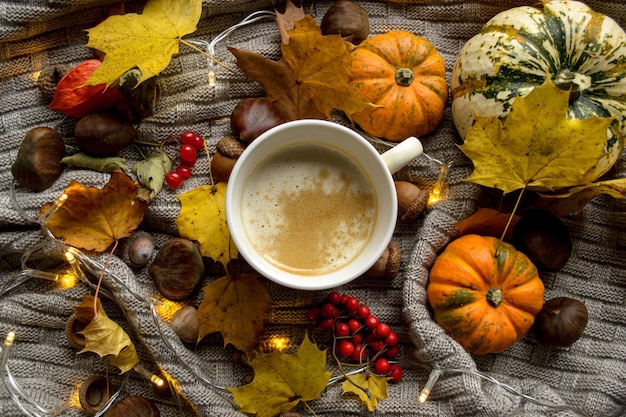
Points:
x=347 y=19
x=253 y=116
x=561 y=322
x=38 y=163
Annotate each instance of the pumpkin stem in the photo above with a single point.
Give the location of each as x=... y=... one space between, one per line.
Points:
x=404 y=77
x=494 y=297
x=572 y=81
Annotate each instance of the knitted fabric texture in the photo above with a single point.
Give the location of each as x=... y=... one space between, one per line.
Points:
x=590 y=375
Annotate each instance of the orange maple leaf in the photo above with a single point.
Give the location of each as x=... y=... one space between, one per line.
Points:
x=92 y=218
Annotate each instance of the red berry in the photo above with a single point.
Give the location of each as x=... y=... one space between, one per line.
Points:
x=371 y=322
x=184 y=171
x=188 y=155
x=334 y=297
x=351 y=305
x=314 y=313
x=342 y=330
x=192 y=138
x=326 y=324
x=377 y=345
x=357 y=338
x=381 y=366
x=391 y=339
x=173 y=179
x=382 y=330
x=363 y=312
x=359 y=353
x=392 y=352
x=329 y=311
x=344 y=298
x=354 y=325
x=345 y=348
x=395 y=372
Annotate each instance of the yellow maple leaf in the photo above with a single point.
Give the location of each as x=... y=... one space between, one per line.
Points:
x=202 y=218
x=282 y=380
x=312 y=77
x=536 y=147
x=234 y=306
x=107 y=339
x=146 y=41
x=93 y=218
x=574 y=199
x=369 y=388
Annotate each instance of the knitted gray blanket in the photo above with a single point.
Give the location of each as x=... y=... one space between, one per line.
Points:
x=527 y=379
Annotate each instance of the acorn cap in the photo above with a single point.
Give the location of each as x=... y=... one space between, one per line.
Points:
x=94 y=393
x=133 y=406
x=393 y=262
x=230 y=147
x=72 y=327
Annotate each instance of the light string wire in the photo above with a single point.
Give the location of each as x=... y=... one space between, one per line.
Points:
x=210 y=46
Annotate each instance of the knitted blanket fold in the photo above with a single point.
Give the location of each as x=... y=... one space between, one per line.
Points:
x=527 y=379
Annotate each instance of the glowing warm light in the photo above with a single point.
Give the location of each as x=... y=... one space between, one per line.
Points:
x=71 y=258
x=212 y=79
x=278 y=343
x=36 y=76
x=9 y=339
x=437 y=193
x=157 y=381
x=166 y=308
x=68 y=280
x=430 y=383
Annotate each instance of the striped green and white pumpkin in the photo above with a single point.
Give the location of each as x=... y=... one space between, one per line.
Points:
x=516 y=50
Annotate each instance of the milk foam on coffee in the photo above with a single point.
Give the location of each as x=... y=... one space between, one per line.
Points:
x=308 y=209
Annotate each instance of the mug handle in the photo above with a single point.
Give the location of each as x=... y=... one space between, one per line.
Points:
x=403 y=153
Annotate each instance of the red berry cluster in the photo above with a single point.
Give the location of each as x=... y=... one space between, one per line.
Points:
x=360 y=337
x=191 y=144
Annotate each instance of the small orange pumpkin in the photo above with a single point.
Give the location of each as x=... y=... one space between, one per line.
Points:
x=404 y=75
x=484 y=293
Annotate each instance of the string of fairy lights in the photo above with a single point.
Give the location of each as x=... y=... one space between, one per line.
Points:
x=82 y=266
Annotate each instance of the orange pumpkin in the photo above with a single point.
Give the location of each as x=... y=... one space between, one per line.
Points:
x=484 y=293
x=404 y=75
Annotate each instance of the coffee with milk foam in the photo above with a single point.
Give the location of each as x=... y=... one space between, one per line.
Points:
x=309 y=209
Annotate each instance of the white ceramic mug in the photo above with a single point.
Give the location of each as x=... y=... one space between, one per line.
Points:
x=347 y=144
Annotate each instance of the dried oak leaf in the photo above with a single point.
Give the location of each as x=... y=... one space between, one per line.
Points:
x=574 y=199
x=107 y=339
x=537 y=146
x=202 y=218
x=146 y=41
x=282 y=380
x=234 y=305
x=312 y=76
x=487 y=222
x=368 y=387
x=92 y=218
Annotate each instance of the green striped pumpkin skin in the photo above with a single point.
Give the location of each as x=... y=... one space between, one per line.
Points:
x=519 y=48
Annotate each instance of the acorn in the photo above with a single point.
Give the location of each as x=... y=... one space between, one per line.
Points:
x=347 y=19
x=177 y=269
x=412 y=200
x=223 y=161
x=253 y=116
x=141 y=251
x=186 y=325
x=388 y=264
x=94 y=393
x=38 y=163
x=133 y=406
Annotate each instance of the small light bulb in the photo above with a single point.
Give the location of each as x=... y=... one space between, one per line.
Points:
x=55 y=206
x=279 y=343
x=430 y=383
